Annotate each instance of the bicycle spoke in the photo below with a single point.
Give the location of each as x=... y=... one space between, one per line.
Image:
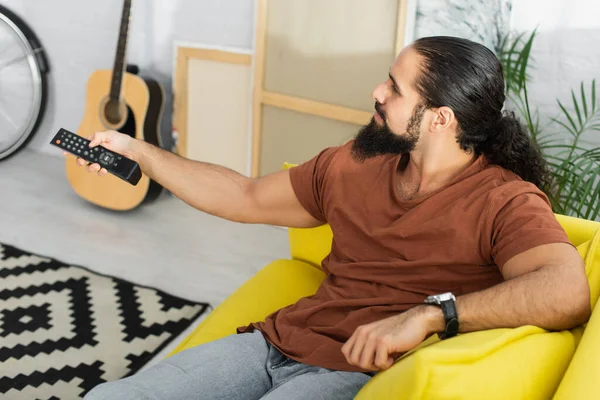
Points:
x=4 y=50
x=17 y=59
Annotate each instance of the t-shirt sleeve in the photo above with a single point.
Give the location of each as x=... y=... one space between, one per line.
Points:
x=523 y=219
x=309 y=181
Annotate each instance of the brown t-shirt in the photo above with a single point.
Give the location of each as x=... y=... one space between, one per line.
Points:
x=388 y=255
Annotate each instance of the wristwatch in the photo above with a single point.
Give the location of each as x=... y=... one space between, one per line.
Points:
x=447 y=302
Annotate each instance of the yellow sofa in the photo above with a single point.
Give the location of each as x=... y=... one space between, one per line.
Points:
x=523 y=363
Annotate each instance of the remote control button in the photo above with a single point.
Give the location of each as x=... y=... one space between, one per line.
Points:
x=106 y=158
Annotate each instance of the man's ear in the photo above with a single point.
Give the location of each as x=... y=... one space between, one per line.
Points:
x=443 y=119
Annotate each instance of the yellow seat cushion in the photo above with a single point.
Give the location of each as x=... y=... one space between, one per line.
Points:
x=277 y=285
x=521 y=363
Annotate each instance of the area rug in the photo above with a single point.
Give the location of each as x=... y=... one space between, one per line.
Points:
x=65 y=329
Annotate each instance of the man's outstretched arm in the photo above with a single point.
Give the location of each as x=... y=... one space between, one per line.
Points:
x=545 y=286
x=211 y=188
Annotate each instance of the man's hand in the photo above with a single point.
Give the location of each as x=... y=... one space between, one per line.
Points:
x=373 y=346
x=112 y=140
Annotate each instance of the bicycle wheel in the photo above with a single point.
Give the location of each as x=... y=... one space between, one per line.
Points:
x=23 y=86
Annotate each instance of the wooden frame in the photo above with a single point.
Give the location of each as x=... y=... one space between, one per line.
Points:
x=180 y=106
x=262 y=97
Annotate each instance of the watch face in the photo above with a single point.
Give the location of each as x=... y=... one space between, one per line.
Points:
x=438 y=298
x=446 y=296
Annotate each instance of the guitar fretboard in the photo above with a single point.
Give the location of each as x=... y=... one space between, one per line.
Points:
x=119 y=67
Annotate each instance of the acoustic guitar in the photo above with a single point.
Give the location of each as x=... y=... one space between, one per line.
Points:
x=125 y=102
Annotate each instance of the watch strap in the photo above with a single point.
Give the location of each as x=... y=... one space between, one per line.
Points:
x=451 y=319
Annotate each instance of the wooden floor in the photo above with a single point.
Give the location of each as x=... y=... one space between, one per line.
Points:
x=168 y=244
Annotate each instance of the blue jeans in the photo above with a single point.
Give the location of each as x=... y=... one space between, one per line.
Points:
x=240 y=366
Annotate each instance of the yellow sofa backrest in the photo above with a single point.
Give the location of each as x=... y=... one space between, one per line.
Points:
x=310 y=245
x=579 y=230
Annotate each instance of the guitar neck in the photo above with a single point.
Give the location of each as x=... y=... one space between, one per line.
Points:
x=119 y=66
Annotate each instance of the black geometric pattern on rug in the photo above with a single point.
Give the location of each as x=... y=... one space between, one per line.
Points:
x=83 y=327
x=22 y=319
x=65 y=329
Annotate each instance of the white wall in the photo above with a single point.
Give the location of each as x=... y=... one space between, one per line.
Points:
x=80 y=36
x=566 y=49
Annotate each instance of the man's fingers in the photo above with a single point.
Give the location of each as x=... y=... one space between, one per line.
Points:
x=357 y=349
x=80 y=161
x=98 y=138
x=103 y=172
x=347 y=347
x=368 y=353
x=382 y=357
x=94 y=168
x=95 y=141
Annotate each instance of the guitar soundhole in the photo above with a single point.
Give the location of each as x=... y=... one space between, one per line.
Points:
x=112 y=112
x=121 y=123
x=129 y=127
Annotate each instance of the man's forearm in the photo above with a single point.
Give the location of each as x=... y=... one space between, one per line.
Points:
x=211 y=188
x=549 y=298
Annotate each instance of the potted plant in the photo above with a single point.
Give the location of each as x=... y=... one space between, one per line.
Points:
x=574 y=164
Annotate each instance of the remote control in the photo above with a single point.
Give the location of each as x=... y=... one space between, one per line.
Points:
x=116 y=164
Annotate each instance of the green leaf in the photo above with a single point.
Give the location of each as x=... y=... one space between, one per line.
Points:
x=544 y=143
x=592 y=153
x=564 y=146
x=584 y=203
x=576 y=105
x=523 y=60
x=584 y=101
x=566 y=113
x=513 y=47
x=576 y=183
x=515 y=61
x=568 y=128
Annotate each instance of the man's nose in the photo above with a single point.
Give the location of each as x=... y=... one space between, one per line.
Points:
x=380 y=93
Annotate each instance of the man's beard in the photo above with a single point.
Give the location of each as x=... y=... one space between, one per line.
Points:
x=374 y=140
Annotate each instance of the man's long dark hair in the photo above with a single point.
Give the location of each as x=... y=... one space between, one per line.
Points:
x=468 y=78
